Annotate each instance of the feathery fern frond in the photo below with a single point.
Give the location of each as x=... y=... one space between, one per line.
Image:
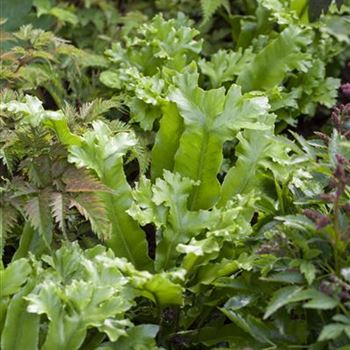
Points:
x=142 y=154
x=8 y=159
x=8 y=217
x=92 y=110
x=79 y=180
x=91 y=206
x=209 y=7
x=59 y=206
x=39 y=214
x=138 y=151
x=119 y=126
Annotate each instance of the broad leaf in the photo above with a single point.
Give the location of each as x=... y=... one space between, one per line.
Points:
x=14 y=276
x=210 y=119
x=21 y=329
x=280 y=56
x=167 y=140
x=139 y=337
x=281 y=298
x=331 y=331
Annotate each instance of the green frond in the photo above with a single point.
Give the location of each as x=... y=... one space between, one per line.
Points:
x=80 y=180
x=59 y=206
x=142 y=154
x=119 y=126
x=39 y=214
x=92 y=207
x=209 y=7
x=93 y=110
x=8 y=218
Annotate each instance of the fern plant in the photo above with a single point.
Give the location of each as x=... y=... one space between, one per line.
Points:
x=40 y=186
x=163 y=194
x=209 y=7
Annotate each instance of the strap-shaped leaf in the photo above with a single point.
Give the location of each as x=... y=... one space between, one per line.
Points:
x=199 y=155
x=65 y=333
x=279 y=57
x=182 y=224
x=30 y=242
x=167 y=140
x=210 y=119
x=250 y=151
x=13 y=277
x=21 y=329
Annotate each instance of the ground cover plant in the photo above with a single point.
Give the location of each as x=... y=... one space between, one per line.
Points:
x=175 y=174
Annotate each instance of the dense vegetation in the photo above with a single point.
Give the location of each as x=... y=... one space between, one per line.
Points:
x=175 y=174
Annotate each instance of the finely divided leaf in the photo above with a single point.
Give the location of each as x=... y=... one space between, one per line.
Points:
x=8 y=217
x=93 y=208
x=210 y=6
x=39 y=214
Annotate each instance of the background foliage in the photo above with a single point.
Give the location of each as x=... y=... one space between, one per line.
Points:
x=175 y=174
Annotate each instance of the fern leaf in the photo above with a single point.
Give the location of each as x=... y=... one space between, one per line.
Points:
x=8 y=216
x=8 y=159
x=102 y=151
x=209 y=7
x=141 y=153
x=93 y=209
x=284 y=53
x=250 y=151
x=212 y=117
x=59 y=206
x=79 y=180
x=39 y=214
x=92 y=110
x=119 y=126
x=167 y=140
